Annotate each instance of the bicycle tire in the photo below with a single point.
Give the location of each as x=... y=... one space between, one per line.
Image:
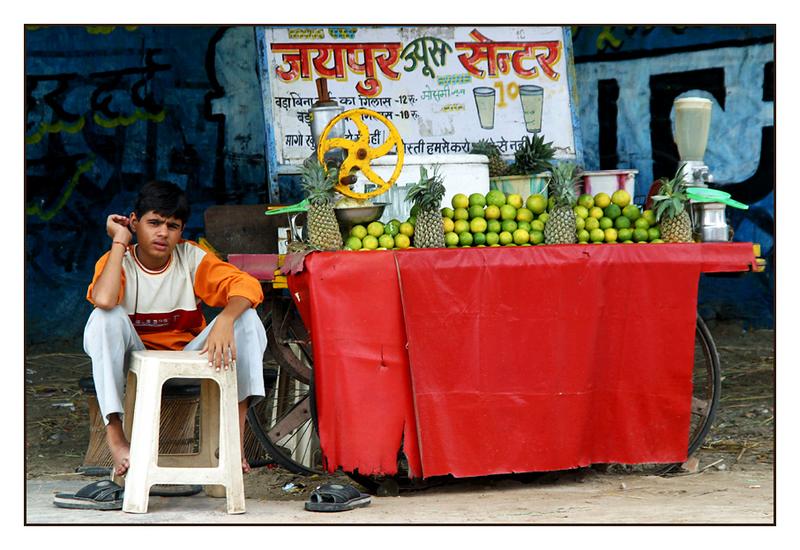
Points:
x=713 y=384
x=284 y=424
x=296 y=448
x=287 y=330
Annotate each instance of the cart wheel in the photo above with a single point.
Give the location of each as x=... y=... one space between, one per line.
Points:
x=284 y=422
x=707 y=386
x=289 y=341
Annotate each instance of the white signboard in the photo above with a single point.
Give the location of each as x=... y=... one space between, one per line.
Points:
x=444 y=88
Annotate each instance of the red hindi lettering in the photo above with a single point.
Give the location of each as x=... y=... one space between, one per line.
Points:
x=296 y=56
x=546 y=61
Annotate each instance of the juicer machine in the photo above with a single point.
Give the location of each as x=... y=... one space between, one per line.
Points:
x=707 y=206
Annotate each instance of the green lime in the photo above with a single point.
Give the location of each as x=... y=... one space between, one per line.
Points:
x=386 y=241
x=495 y=197
x=494 y=226
x=640 y=235
x=358 y=231
x=392 y=228
x=612 y=211
x=465 y=238
x=521 y=236
x=478 y=225
x=622 y=222
x=508 y=212
x=479 y=239
x=476 y=199
x=459 y=226
x=632 y=212
x=509 y=225
x=353 y=243
x=476 y=211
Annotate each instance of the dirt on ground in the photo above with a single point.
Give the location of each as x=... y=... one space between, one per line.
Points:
x=742 y=437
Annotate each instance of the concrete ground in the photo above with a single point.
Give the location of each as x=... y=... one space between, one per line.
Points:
x=740 y=496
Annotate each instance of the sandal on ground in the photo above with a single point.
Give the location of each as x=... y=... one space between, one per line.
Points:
x=100 y=495
x=333 y=497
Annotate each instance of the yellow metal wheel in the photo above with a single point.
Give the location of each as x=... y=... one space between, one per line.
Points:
x=360 y=153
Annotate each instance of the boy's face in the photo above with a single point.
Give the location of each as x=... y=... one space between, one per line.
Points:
x=157 y=237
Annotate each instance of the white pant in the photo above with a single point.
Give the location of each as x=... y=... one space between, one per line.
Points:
x=109 y=335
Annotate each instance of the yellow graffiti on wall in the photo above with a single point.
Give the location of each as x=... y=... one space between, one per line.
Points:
x=108 y=29
x=60 y=126
x=139 y=114
x=607 y=35
x=36 y=209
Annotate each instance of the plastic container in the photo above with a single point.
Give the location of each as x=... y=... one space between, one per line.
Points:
x=521 y=185
x=608 y=181
x=462 y=174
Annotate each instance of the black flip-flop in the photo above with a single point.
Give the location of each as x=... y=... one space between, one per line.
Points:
x=100 y=495
x=333 y=497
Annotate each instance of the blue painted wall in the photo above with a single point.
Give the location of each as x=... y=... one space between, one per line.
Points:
x=109 y=108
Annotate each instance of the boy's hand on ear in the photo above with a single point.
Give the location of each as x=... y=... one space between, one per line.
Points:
x=118 y=228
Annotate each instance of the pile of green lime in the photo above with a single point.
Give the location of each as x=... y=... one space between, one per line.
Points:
x=614 y=219
x=494 y=219
x=393 y=234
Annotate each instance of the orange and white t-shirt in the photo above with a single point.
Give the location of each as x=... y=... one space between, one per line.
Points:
x=164 y=306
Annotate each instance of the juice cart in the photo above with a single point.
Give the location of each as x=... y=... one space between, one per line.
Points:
x=419 y=363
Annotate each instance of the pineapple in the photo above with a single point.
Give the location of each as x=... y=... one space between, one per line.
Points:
x=323 y=229
x=560 y=227
x=533 y=156
x=427 y=196
x=671 y=209
x=497 y=166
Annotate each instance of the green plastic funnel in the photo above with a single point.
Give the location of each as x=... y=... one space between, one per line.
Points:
x=301 y=206
x=704 y=194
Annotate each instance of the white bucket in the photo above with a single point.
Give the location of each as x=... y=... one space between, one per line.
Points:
x=608 y=181
x=461 y=174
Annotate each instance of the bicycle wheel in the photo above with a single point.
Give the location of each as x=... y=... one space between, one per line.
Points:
x=707 y=385
x=289 y=341
x=706 y=388
x=283 y=422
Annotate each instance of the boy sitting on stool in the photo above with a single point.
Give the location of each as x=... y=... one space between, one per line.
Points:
x=148 y=295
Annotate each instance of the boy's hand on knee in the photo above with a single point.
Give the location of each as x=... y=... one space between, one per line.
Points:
x=220 y=345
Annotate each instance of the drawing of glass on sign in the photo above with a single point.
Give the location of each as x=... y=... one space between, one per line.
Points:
x=532 y=99
x=419 y=50
x=484 y=102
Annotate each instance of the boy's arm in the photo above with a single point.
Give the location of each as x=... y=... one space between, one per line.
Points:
x=105 y=292
x=220 y=344
x=220 y=284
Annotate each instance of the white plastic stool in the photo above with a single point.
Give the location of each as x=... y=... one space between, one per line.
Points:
x=219 y=428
